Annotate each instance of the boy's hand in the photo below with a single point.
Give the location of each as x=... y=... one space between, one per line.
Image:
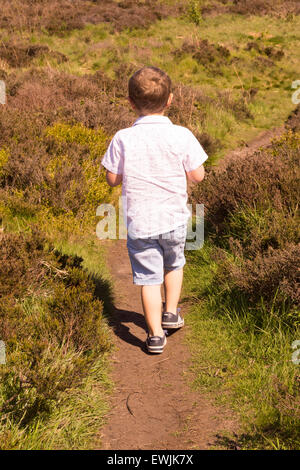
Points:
x=113 y=179
x=197 y=175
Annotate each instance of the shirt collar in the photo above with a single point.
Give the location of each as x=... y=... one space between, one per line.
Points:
x=152 y=119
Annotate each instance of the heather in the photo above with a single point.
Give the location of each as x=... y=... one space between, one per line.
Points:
x=63 y=16
x=53 y=325
x=66 y=66
x=252 y=213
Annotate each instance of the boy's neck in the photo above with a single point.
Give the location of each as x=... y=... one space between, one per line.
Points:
x=152 y=114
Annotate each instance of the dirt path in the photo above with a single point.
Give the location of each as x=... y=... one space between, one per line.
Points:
x=262 y=140
x=153 y=406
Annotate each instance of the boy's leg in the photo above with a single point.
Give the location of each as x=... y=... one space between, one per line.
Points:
x=172 y=286
x=151 y=299
x=146 y=259
x=173 y=245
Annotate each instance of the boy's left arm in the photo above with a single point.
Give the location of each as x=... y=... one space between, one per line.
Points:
x=194 y=158
x=197 y=175
x=113 y=162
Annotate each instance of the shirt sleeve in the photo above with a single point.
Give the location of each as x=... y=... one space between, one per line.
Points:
x=193 y=153
x=113 y=159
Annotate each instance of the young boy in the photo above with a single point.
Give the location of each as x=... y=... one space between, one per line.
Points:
x=153 y=160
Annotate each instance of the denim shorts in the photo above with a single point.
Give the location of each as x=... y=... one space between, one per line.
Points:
x=150 y=257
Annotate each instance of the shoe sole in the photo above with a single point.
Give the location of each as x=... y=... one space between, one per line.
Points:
x=173 y=326
x=156 y=349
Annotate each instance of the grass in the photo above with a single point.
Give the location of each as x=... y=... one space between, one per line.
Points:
x=246 y=367
x=95 y=47
x=75 y=420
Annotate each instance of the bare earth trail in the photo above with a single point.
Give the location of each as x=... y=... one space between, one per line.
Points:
x=153 y=406
x=262 y=140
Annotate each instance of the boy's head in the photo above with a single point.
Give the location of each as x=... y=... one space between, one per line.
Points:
x=150 y=90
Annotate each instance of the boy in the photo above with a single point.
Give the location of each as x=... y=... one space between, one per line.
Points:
x=152 y=159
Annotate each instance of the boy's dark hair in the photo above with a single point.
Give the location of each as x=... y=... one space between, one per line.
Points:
x=149 y=89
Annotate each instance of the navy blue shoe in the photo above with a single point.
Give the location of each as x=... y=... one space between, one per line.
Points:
x=156 y=344
x=172 y=320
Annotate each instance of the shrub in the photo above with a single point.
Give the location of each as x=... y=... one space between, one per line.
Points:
x=262 y=7
x=4 y=155
x=268 y=284
x=282 y=8
x=211 y=56
x=60 y=17
x=52 y=324
x=20 y=55
x=271 y=52
x=95 y=142
x=45 y=96
x=267 y=179
x=293 y=121
x=252 y=219
x=56 y=165
x=52 y=141
x=194 y=12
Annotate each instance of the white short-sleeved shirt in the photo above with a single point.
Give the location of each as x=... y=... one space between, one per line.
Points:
x=153 y=156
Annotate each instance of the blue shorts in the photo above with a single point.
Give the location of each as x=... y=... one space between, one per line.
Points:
x=150 y=257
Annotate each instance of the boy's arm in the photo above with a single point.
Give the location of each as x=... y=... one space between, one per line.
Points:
x=197 y=175
x=113 y=179
x=194 y=157
x=113 y=162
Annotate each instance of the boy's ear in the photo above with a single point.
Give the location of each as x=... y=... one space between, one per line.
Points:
x=170 y=99
x=131 y=103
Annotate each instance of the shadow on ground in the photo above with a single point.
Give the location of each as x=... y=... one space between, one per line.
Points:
x=120 y=321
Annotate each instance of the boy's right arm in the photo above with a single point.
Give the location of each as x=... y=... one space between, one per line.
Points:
x=197 y=175
x=113 y=179
x=113 y=162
